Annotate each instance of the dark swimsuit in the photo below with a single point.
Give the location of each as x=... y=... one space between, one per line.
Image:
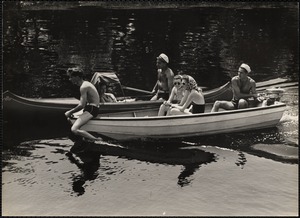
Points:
x=251 y=103
x=164 y=95
x=93 y=110
x=198 y=108
x=175 y=101
x=235 y=103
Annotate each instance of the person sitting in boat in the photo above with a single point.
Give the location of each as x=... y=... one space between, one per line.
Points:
x=104 y=96
x=165 y=78
x=175 y=97
x=89 y=102
x=244 y=92
x=193 y=100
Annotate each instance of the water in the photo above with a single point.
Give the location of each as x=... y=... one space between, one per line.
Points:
x=207 y=43
x=236 y=183
x=249 y=173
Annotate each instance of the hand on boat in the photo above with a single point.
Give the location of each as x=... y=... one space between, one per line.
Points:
x=167 y=103
x=68 y=114
x=175 y=106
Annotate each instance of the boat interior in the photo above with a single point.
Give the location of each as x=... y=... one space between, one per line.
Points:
x=154 y=111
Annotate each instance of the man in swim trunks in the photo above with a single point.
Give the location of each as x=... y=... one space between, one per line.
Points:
x=165 y=78
x=89 y=100
x=244 y=91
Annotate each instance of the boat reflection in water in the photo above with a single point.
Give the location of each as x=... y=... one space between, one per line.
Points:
x=166 y=153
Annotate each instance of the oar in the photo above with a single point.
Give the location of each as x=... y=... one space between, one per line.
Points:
x=137 y=90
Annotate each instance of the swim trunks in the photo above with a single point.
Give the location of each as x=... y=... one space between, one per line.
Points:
x=235 y=103
x=163 y=95
x=198 y=108
x=252 y=102
x=93 y=110
x=175 y=101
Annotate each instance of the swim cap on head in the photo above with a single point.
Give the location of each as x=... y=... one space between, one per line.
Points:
x=246 y=67
x=163 y=57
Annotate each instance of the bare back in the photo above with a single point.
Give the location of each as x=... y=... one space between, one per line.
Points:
x=89 y=93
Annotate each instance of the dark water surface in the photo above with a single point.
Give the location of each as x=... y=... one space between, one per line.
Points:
x=249 y=173
x=207 y=43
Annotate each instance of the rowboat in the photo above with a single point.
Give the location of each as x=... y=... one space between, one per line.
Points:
x=145 y=124
x=14 y=104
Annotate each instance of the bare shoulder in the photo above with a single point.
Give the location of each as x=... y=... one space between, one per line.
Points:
x=89 y=83
x=235 y=79
x=174 y=89
x=251 y=80
x=199 y=92
x=195 y=92
x=86 y=86
x=169 y=72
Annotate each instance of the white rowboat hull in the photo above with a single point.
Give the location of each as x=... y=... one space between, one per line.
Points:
x=128 y=128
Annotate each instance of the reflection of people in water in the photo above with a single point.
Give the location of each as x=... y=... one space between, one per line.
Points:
x=190 y=158
x=172 y=154
x=88 y=162
x=242 y=160
x=190 y=169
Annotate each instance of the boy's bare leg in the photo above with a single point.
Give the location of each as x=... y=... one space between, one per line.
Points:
x=83 y=119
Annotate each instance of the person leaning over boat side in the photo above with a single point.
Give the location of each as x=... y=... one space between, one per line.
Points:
x=165 y=77
x=104 y=96
x=175 y=96
x=192 y=97
x=244 y=92
x=89 y=100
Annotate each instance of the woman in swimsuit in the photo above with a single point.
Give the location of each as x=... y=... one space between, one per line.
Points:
x=175 y=97
x=192 y=97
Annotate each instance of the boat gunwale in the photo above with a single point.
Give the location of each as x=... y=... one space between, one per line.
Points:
x=43 y=102
x=34 y=104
